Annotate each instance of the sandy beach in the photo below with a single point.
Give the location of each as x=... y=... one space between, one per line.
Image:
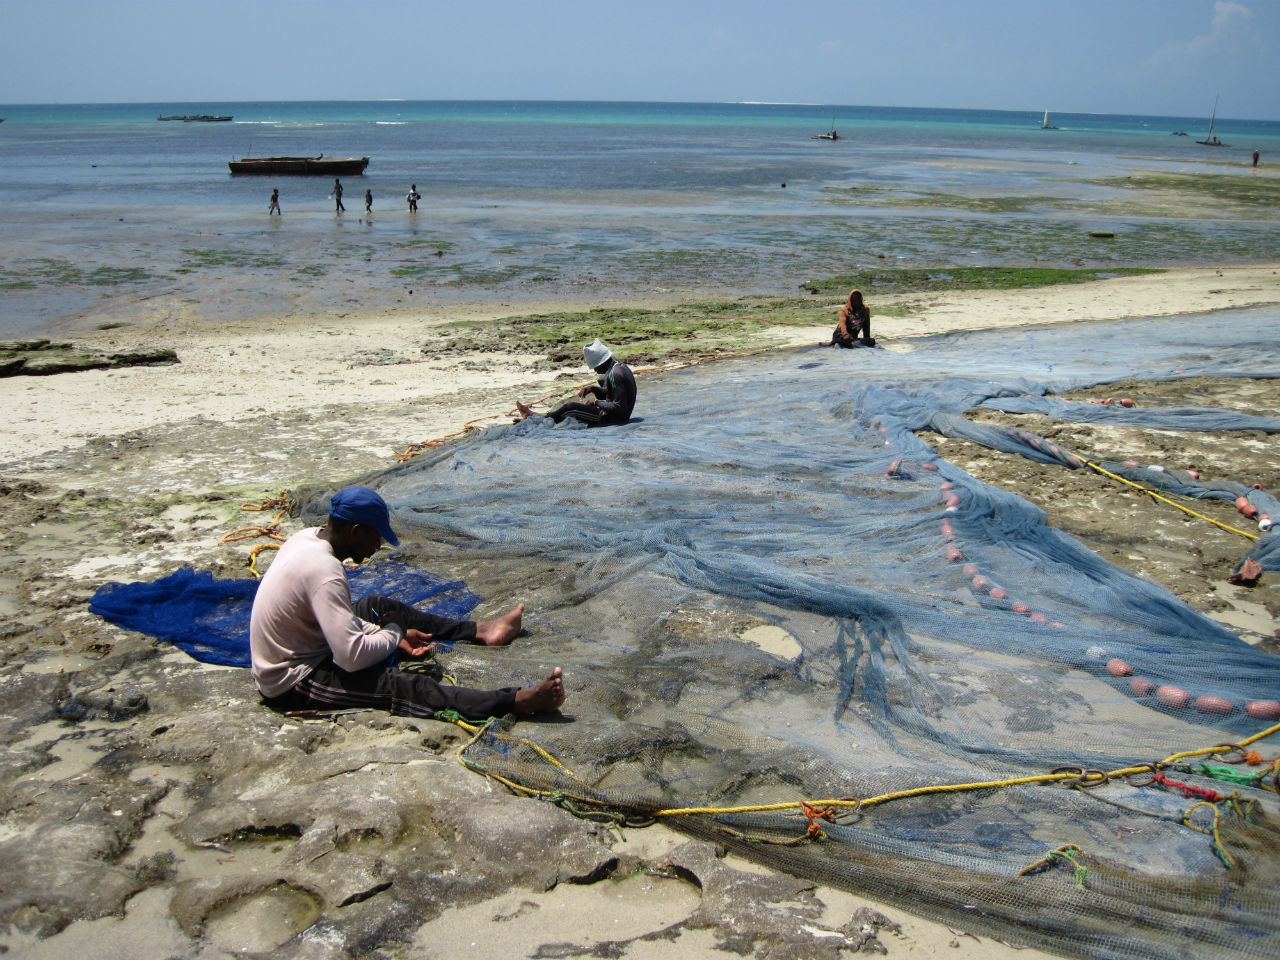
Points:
x=381 y=387
x=127 y=473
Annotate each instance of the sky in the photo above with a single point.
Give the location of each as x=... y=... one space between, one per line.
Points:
x=1155 y=57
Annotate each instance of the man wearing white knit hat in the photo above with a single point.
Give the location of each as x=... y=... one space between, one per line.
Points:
x=612 y=398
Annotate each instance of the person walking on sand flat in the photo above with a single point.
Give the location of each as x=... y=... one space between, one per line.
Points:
x=413 y=197
x=855 y=319
x=613 y=397
x=337 y=196
x=274 y=207
x=313 y=650
x=368 y=201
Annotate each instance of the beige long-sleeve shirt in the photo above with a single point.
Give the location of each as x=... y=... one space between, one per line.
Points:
x=302 y=614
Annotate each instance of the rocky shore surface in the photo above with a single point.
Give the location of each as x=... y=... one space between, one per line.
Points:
x=152 y=808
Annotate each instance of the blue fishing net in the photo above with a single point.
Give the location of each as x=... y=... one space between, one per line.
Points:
x=208 y=616
x=770 y=589
x=1168 y=418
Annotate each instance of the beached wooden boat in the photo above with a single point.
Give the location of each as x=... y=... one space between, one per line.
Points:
x=302 y=166
x=197 y=118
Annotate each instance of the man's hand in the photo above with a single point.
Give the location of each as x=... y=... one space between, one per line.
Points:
x=415 y=643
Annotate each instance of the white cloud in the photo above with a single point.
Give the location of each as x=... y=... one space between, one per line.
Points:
x=1227 y=28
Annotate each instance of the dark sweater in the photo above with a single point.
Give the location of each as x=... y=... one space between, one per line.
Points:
x=616 y=395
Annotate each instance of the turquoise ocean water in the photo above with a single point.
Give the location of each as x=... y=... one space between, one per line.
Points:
x=105 y=205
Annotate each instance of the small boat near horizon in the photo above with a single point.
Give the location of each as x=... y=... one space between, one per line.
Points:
x=1211 y=140
x=1046 y=125
x=829 y=135
x=301 y=166
x=197 y=118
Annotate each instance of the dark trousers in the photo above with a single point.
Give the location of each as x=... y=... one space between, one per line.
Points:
x=384 y=687
x=587 y=413
x=864 y=328
x=384 y=610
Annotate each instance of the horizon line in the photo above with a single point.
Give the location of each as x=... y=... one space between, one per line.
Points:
x=762 y=103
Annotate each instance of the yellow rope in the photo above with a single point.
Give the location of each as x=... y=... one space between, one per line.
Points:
x=479 y=731
x=1155 y=496
x=826 y=809
x=854 y=802
x=1211 y=831
x=954 y=787
x=253 y=556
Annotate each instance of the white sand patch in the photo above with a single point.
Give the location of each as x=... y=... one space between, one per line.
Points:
x=773 y=640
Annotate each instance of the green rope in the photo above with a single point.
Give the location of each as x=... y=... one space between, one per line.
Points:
x=1231 y=774
x=1067 y=852
x=1081 y=871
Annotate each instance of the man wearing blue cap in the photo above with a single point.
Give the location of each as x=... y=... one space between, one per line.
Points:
x=312 y=650
x=612 y=399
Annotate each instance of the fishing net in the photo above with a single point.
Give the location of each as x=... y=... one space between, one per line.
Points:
x=788 y=626
x=208 y=617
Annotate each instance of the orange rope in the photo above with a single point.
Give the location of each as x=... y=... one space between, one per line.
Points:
x=272 y=529
x=781 y=323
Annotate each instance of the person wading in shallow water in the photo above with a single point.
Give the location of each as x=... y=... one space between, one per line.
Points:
x=313 y=650
x=337 y=196
x=612 y=398
x=855 y=320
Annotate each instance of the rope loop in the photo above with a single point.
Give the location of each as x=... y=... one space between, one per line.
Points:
x=1222 y=750
x=813 y=814
x=1150 y=768
x=1091 y=778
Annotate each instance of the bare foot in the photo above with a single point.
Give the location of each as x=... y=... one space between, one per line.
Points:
x=501 y=630
x=525 y=412
x=545 y=697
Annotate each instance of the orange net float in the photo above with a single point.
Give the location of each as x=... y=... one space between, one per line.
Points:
x=1217 y=706
x=1142 y=687
x=1175 y=698
x=1118 y=668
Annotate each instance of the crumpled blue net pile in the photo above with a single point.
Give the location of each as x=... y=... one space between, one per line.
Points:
x=753 y=593
x=208 y=616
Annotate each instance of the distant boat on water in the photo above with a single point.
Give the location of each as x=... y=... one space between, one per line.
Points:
x=829 y=135
x=1046 y=125
x=302 y=166
x=1211 y=140
x=197 y=118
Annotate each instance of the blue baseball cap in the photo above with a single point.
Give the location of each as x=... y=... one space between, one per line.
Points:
x=362 y=505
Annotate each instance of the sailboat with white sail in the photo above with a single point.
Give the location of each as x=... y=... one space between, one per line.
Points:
x=1211 y=140
x=1047 y=125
